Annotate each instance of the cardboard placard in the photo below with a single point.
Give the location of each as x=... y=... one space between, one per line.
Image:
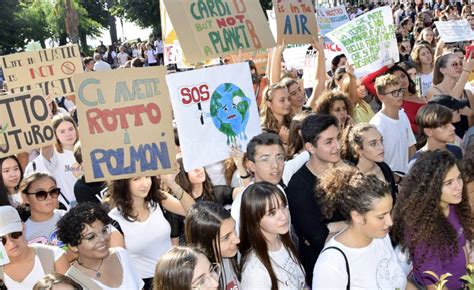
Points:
x=259 y=57
x=49 y=69
x=368 y=41
x=25 y=121
x=454 y=30
x=296 y=21
x=126 y=128
x=209 y=29
x=213 y=109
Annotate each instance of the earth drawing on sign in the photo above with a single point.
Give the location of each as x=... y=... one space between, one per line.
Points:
x=230 y=111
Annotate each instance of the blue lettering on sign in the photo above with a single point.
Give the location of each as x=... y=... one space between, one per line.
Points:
x=145 y=157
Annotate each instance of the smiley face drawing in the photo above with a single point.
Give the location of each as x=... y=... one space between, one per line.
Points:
x=230 y=111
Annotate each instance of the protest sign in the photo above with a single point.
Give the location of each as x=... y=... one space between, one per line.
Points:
x=294 y=55
x=213 y=109
x=126 y=128
x=296 y=21
x=25 y=122
x=259 y=57
x=209 y=29
x=328 y=20
x=368 y=41
x=49 y=69
x=454 y=30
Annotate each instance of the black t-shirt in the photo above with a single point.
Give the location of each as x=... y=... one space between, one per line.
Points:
x=88 y=191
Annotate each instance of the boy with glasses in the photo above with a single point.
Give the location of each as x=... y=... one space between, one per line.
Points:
x=393 y=124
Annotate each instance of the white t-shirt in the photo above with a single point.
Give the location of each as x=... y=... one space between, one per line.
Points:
x=397 y=137
x=34 y=276
x=122 y=58
x=101 y=66
x=293 y=165
x=373 y=267
x=426 y=81
x=131 y=280
x=289 y=274
x=61 y=167
x=151 y=56
x=146 y=241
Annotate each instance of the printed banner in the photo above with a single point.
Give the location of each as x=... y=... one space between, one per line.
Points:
x=49 y=69
x=368 y=41
x=25 y=122
x=213 y=109
x=126 y=128
x=296 y=21
x=454 y=30
x=209 y=29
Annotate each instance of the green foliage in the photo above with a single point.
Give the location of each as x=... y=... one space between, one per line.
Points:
x=145 y=13
x=442 y=280
x=12 y=25
x=469 y=277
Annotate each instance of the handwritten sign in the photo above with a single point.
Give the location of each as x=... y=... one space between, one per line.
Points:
x=368 y=41
x=208 y=29
x=454 y=30
x=213 y=109
x=49 y=69
x=259 y=57
x=25 y=122
x=126 y=128
x=296 y=21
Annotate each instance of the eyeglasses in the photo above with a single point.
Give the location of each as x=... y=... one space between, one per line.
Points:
x=13 y=236
x=205 y=280
x=42 y=194
x=268 y=160
x=93 y=237
x=396 y=93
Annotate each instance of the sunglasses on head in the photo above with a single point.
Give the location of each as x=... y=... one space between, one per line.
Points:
x=13 y=236
x=42 y=194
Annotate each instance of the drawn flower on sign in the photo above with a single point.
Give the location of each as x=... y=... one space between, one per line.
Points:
x=230 y=111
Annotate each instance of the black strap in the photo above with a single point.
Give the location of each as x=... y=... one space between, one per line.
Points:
x=347 y=266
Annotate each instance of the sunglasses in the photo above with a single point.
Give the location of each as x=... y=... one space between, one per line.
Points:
x=42 y=195
x=13 y=236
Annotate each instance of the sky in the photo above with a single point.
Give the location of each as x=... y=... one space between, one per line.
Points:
x=130 y=31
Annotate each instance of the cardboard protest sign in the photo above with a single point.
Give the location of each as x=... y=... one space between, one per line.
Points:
x=49 y=69
x=209 y=29
x=328 y=20
x=126 y=128
x=259 y=57
x=213 y=107
x=454 y=30
x=368 y=41
x=296 y=21
x=25 y=122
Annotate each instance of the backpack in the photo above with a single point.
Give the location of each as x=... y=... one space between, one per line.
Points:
x=110 y=58
x=46 y=257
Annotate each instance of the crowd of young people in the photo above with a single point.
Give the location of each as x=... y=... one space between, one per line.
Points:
x=354 y=183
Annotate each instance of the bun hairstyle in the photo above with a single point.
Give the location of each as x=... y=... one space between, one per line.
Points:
x=347 y=189
x=351 y=139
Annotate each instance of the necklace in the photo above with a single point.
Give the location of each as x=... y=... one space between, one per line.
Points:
x=97 y=272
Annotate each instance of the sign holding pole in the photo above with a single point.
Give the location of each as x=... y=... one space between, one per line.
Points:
x=126 y=128
x=49 y=69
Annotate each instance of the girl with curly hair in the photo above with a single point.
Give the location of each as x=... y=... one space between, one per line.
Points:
x=337 y=104
x=362 y=145
x=86 y=229
x=211 y=228
x=360 y=256
x=433 y=219
x=138 y=209
x=269 y=258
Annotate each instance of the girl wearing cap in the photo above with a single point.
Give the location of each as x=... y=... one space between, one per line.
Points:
x=28 y=263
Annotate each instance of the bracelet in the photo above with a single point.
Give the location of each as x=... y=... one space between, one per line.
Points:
x=245 y=176
x=466 y=71
x=182 y=193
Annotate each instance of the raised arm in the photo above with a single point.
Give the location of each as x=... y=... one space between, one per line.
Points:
x=321 y=74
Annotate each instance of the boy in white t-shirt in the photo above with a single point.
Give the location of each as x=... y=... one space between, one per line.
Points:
x=393 y=124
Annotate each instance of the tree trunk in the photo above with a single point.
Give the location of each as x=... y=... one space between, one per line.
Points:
x=112 y=25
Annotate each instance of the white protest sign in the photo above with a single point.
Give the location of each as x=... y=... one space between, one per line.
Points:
x=3 y=256
x=454 y=30
x=213 y=107
x=368 y=41
x=328 y=20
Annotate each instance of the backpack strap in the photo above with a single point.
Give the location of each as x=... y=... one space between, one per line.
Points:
x=347 y=266
x=82 y=279
x=46 y=257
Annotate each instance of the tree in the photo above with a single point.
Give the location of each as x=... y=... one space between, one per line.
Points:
x=12 y=26
x=34 y=13
x=145 y=13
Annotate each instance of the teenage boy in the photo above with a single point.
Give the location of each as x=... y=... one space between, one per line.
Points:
x=266 y=161
x=393 y=124
x=435 y=123
x=321 y=136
